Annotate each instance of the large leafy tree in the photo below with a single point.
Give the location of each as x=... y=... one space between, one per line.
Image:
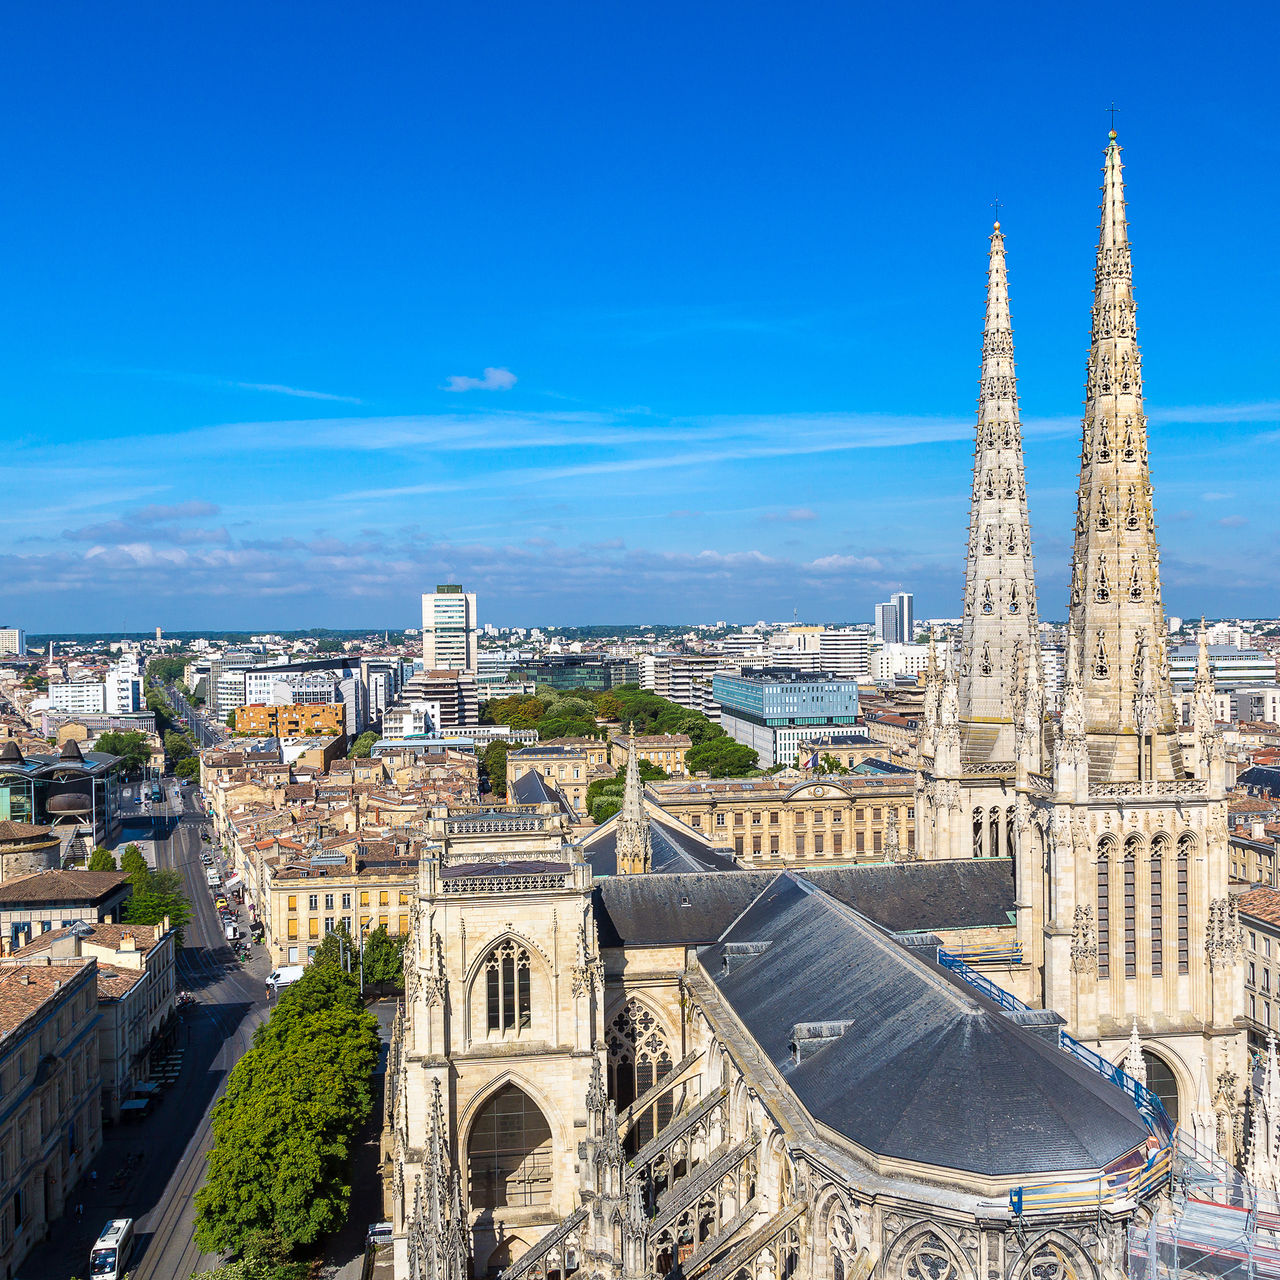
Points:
x=722 y=758
x=362 y=747
x=494 y=763
x=102 y=860
x=132 y=748
x=283 y=1132
x=156 y=894
x=384 y=958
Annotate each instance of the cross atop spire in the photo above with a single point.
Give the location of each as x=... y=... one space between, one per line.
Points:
x=1000 y=595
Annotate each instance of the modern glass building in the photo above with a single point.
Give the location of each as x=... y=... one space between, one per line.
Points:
x=774 y=709
x=63 y=789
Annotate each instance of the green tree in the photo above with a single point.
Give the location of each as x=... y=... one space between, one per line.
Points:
x=157 y=894
x=384 y=958
x=494 y=764
x=829 y=764
x=102 y=860
x=166 y=670
x=722 y=758
x=362 y=747
x=604 y=807
x=338 y=949
x=608 y=707
x=131 y=860
x=177 y=745
x=132 y=748
x=189 y=768
x=231 y=720
x=284 y=1130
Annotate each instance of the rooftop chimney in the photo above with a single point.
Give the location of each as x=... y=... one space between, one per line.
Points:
x=128 y=942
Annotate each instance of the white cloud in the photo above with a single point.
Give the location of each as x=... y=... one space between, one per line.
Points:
x=493 y=380
x=1216 y=497
x=275 y=388
x=844 y=564
x=1233 y=522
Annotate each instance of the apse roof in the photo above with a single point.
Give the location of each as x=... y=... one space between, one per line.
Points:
x=916 y=1065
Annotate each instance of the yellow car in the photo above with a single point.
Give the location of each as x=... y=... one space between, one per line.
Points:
x=221 y=902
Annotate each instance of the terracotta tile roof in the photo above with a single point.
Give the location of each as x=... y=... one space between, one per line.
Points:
x=25 y=987
x=1261 y=903
x=99 y=935
x=11 y=830
x=114 y=983
x=62 y=886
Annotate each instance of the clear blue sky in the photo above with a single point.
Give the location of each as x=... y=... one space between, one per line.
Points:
x=725 y=263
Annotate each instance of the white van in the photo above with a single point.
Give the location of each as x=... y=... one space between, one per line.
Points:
x=285 y=976
x=110 y=1254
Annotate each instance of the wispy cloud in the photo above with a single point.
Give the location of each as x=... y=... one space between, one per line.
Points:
x=1216 y=497
x=493 y=380
x=1233 y=522
x=301 y=393
x=797 y=515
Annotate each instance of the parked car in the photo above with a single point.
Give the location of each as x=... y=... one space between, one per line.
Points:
x=221 y=903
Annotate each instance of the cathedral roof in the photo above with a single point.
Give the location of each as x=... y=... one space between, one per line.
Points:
x=694 y=909
x=915 y=1065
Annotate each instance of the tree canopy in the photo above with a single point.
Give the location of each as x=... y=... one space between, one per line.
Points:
x=132 y=748
x=156 y=894
x=362 y=747
x=384 y=958
x=102 y=860
x=494 y=764
x=722 y=758
x=284 y=1131
x=188 y=768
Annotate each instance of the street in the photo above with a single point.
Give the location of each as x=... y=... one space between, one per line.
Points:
x=206 y=731
x=150 y=1170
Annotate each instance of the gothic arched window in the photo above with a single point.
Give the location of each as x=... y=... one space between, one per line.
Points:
x=1106 y=850
x=639 y=1057
x=1013 y=599
x=1131 y=511
x=507 y=1000
x=1159 y=850
x=509 y=1152
x=1132 y=849
x=1102 y=589
x=1186 y=847
x=987 y=604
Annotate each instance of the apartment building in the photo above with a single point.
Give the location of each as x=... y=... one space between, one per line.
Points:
x=297 y=720
x=136 y=991
x=50 y=1095
x=1260 y=921
x=665 y=751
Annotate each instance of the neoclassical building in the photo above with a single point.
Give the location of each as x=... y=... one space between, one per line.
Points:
x=627 y=1055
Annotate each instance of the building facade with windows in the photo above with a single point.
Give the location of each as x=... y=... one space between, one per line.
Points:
x=292 y=721
x=796 y=822
x=50 y=1095
x=773 y=709
x=449 y=629
x=1260 y=922
x=49 y=900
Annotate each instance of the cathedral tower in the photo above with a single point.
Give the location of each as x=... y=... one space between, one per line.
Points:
x=1000 y=646
x=1116 y=613
x=977 y=752
x=1139 y=926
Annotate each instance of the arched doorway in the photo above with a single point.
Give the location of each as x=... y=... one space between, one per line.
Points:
x=509 y=1152
x=1161 y=1082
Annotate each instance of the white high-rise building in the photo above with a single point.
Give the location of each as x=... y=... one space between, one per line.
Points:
x=449 y=630
x=123 y=686
x=80 y=697
x=846 y=652
x=12 y=641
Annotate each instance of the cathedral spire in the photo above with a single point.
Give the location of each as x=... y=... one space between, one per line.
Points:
x=1000 y=594
x=635 y=840
x=1116 y=612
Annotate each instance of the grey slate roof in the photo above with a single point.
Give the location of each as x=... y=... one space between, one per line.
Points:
x=692 y=909
x=926 y=1069
x=675 y=849
x=533 y=788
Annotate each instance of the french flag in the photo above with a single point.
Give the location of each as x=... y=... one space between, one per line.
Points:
x=811 y=762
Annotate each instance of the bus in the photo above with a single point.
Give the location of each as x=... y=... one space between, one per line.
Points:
x=156 y=793
x=111 y=1250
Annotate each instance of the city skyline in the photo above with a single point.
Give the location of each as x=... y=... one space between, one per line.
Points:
x=549 y=380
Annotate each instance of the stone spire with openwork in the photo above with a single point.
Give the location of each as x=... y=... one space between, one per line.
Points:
x=1116 y=611
x=635 y=840
x=1001 y=633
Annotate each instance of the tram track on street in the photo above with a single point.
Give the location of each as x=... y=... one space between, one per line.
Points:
x=229 y=1003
